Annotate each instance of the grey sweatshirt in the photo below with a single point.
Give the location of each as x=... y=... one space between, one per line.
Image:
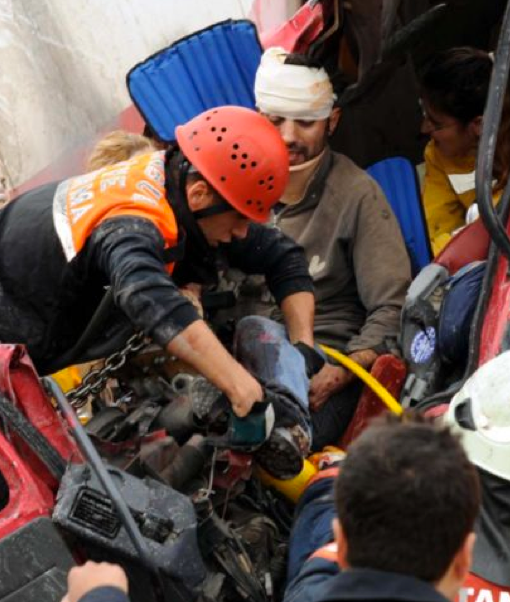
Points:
x=356 y=254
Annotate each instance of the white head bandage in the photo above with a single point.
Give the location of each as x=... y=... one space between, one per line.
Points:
x=292 y=91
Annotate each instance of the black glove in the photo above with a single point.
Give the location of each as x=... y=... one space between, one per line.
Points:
x=313 y=359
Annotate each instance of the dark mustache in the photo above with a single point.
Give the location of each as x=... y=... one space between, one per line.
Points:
x=295 y=148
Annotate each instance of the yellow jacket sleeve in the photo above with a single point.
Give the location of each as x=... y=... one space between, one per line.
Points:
x=445 y=211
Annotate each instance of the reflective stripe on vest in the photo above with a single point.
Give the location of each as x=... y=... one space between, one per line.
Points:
x=476 y=589
x=328 y=552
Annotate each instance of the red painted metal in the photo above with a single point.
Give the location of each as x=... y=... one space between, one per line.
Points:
x=236 y=467
x=296 y=34
x=497 y=316
x=20 y=383
x=470 y=244
x=29 y=497
x=390 y=371
x=32 y=488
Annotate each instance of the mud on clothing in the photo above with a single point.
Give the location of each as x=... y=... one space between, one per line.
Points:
x=360 y=269
x=62 y=244
x=356 y=255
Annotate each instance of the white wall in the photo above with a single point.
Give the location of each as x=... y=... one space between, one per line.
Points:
x=63 y=66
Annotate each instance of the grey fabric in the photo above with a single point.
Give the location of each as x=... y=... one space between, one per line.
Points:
x=356 y=255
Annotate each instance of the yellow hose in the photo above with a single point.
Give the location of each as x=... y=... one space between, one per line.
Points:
x=385 y=396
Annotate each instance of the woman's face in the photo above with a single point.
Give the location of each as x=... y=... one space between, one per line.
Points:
x=452 y=137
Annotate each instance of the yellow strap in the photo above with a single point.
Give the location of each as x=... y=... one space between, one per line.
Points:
x=385 y=396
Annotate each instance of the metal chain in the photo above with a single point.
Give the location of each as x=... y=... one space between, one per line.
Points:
x=95 y=381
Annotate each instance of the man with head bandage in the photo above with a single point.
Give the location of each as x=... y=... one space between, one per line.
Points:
x=340 y=216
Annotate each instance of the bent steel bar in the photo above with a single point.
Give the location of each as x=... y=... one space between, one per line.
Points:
x=487 y=146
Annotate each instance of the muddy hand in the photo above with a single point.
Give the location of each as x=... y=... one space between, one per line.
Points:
x=248 y=393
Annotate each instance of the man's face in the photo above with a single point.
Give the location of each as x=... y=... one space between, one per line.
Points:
x=224 y=228
x=305 y=140
x=220 y=228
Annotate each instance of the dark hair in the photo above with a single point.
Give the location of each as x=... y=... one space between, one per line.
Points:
x=456 y=82
x=407 y=497
x=302 y=60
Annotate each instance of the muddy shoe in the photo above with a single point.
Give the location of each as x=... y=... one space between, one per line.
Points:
x=198 y=406
x=283 y=453
x=207 y=401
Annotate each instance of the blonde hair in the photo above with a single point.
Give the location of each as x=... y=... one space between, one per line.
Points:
x=118 y=146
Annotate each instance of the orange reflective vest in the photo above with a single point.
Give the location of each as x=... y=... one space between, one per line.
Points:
x=132 y=188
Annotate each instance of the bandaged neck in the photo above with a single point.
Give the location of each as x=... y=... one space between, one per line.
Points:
x=299 y=180
x=292 y=91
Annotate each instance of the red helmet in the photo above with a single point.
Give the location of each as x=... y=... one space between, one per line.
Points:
x=241 y=154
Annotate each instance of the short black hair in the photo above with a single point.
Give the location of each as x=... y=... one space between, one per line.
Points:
x=302 y=60
x=407 y=497
x=456 y=82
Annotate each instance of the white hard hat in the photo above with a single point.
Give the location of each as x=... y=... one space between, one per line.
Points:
x=480 y=413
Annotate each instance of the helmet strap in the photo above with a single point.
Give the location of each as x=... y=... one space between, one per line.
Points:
x=216 y=209
x=199 y=260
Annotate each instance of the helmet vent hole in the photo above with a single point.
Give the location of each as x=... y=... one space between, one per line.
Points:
x=254 y=164
x=244 y=155
x=270 y=187
x=261 y=210
x=259 y=203
x=214 y=112
x=223 y=179
x=213 y=129
x=208 y=118
x=262 y=182
x=219 y=138
x=223 y=130
x=235 y=146
x=249 y=202
x=197 y=148
x=271 y=178
x=234 y=156
x=243 y=165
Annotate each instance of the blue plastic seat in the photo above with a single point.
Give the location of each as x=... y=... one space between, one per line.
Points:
x=397 y=177
x=209 y=68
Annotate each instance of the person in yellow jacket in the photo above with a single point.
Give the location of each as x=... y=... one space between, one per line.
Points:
x=454 y=88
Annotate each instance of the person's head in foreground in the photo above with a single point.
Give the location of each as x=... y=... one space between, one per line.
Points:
x=117 y=146
x=234 y=168
x=407 y=498
x=296 y=95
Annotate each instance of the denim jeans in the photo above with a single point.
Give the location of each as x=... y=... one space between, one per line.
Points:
x=263 y=348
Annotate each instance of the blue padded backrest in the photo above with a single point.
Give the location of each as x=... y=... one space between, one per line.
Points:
x=397 y=177
x=212 y=67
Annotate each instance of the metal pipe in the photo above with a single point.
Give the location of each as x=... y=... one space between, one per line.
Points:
x=95 y=461
x=488 y=141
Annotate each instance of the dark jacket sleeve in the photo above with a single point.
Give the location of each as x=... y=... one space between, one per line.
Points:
x=130 y=252
x=308 y=584
x=105 y=594
x=269 y=252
